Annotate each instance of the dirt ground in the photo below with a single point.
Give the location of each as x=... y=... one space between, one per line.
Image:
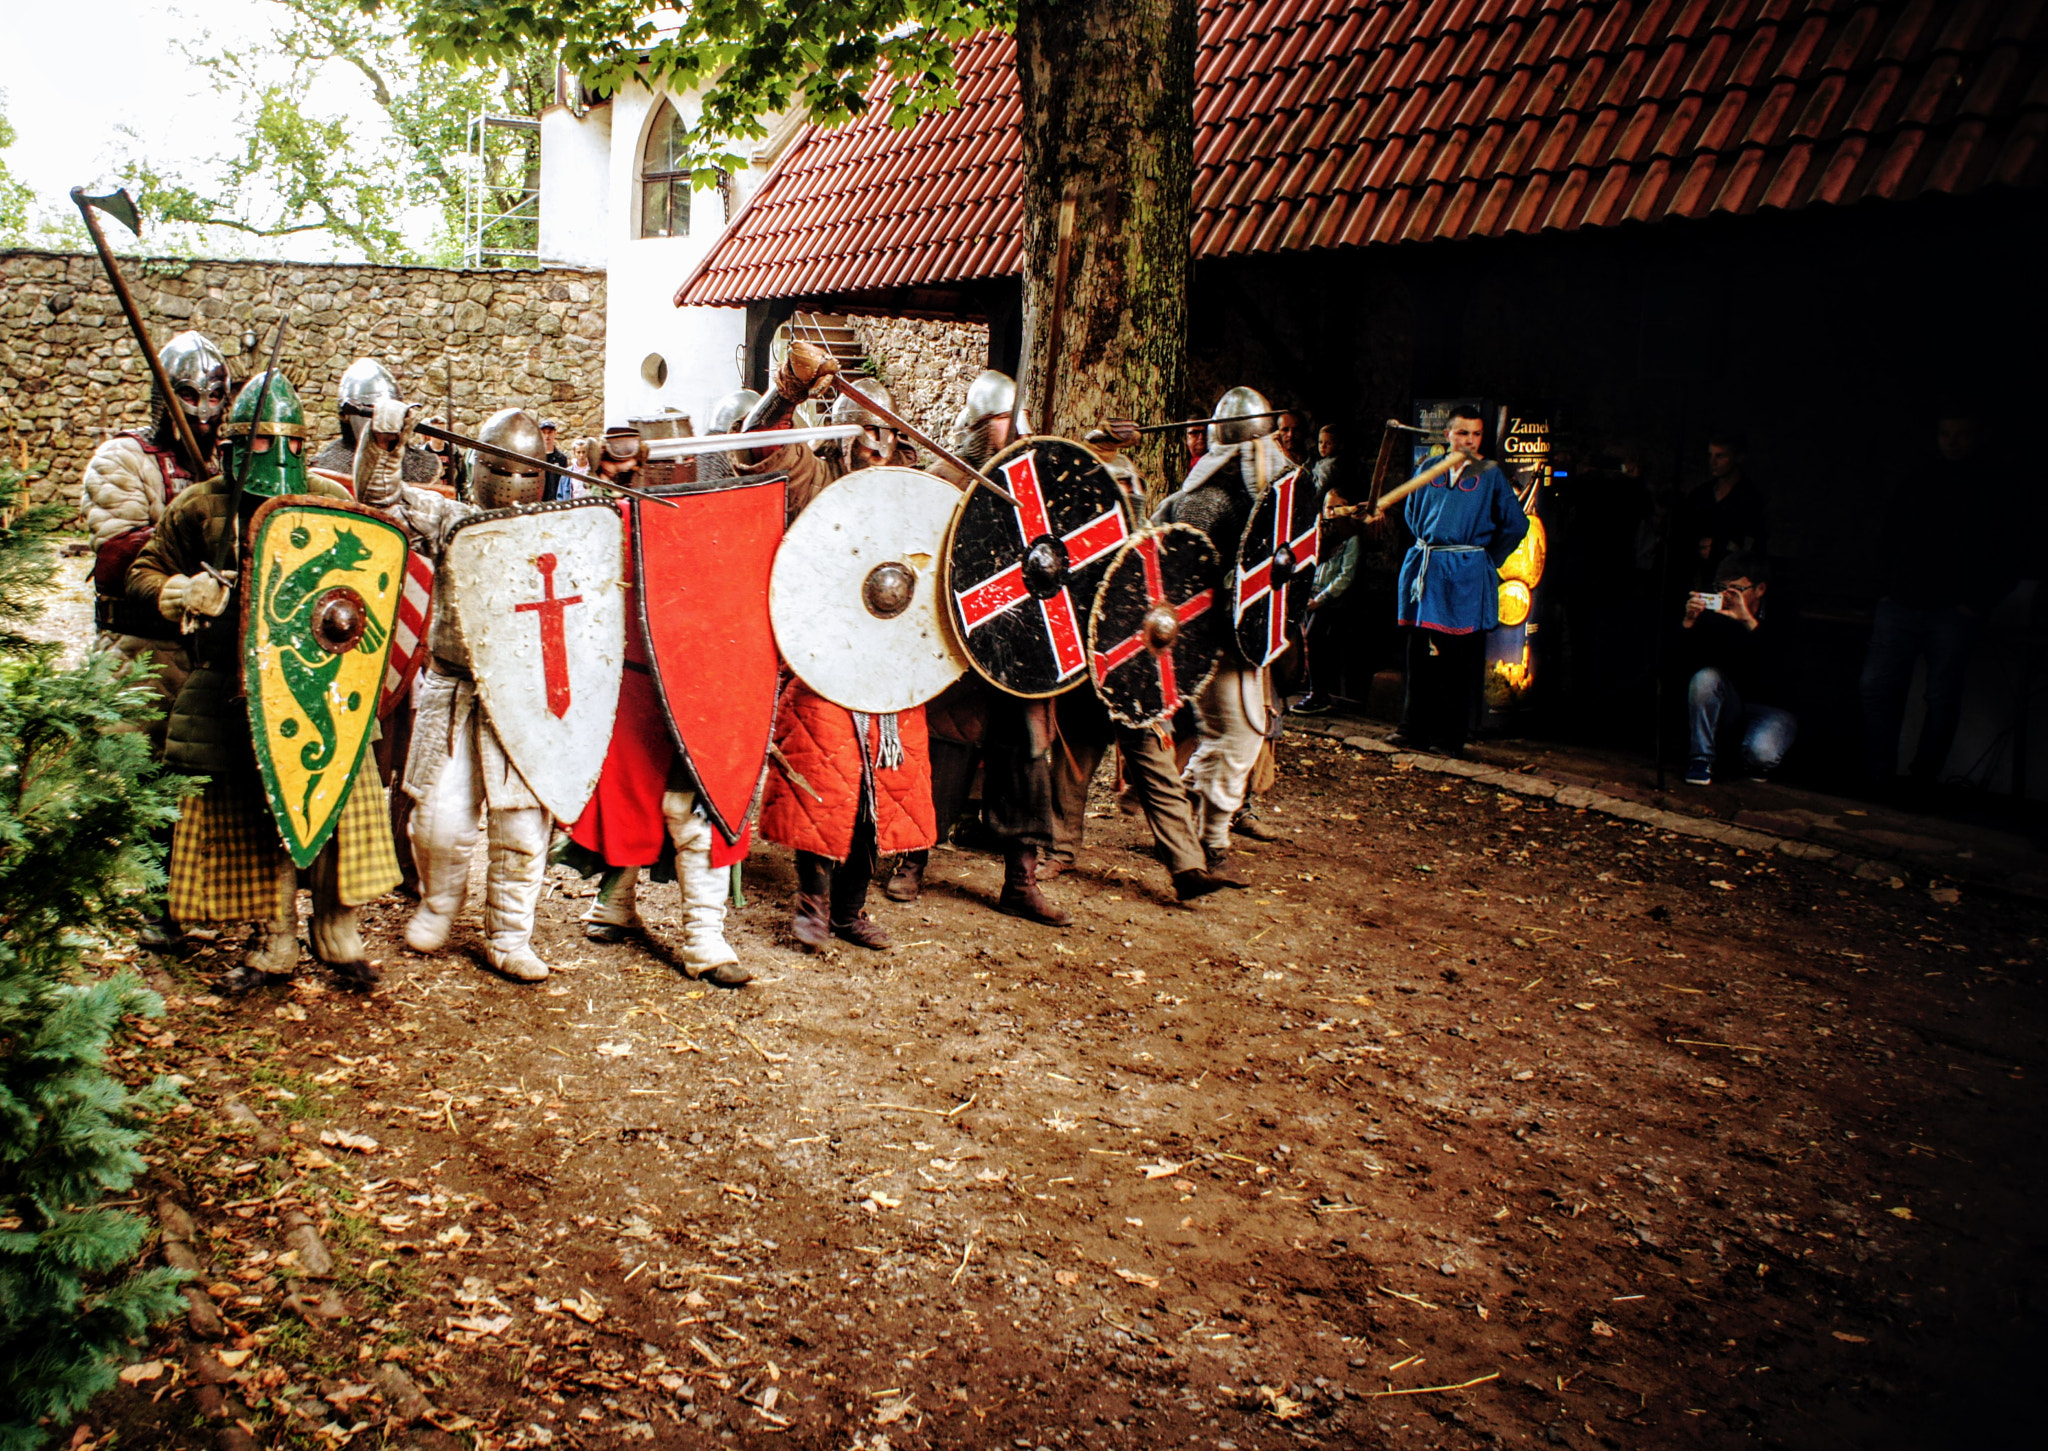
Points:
x=1481 y=1121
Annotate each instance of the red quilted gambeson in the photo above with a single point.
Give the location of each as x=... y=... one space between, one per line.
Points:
x=817 y=815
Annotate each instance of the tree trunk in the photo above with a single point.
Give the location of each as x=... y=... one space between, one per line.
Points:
x=1108 y=118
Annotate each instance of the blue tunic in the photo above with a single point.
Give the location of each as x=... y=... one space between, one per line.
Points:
x=1460 y=587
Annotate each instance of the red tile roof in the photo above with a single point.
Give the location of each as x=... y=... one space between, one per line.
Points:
x=1340 y=123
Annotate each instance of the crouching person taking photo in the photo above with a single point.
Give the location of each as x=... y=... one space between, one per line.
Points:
x=1737 y=657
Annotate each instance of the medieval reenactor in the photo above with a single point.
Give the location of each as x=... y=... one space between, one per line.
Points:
x=1233 y=709
x=805 y=374
x=457 y=769
x=1011 y=738
x=228 y=863
x=728 y=415
x=364 y=384
x=646 y=803
x=847 y=786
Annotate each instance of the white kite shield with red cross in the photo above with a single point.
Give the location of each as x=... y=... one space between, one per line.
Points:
x=539 y=596
x=1276 y=567
x=1021 y=577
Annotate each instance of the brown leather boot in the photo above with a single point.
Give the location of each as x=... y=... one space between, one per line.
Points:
x=1021 y=897
x=812 y=925
x=1200 y=883
x=907 y=881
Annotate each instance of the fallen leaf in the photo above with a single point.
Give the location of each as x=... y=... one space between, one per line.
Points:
x=1150 y=1282
x=1602 y=1329
x=1900 y=1213
x=1161 y=1170
x=894 y=1411
x=1067 y=1277
x=1723 y=886
x=1523 y=1075
x=614 y=1050
x=1852 y=1339
x=233 y=1359
x=588 y=1308
x=1282 y=1407
x=481 y=1324
x=147 y=1370
x=347 y=1139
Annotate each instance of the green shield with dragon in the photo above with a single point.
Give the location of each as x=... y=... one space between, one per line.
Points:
x=320 y=589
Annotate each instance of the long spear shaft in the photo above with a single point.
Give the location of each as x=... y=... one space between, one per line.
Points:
x=181 y=426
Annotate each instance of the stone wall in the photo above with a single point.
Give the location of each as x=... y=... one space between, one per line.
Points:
x=70 y=374
x=925 y=364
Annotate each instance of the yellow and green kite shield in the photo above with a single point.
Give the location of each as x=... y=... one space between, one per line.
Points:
x=321 y=584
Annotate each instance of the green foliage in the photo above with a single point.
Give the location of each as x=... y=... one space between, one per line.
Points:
x=15 y=196
x=757 y=58
x=294 y=170
x=81 y=799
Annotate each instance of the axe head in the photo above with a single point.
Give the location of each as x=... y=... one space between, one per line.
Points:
x=116 y=204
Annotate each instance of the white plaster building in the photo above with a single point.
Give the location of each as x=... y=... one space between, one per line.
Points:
x=608 y=200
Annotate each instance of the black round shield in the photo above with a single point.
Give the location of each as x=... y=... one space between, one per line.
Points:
x=1276 y=567
x=1157 y=626
x=1021 y=577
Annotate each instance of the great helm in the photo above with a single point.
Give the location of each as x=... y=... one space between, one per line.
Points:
x=499 y=483
x=263 y=443
x=1233 y=420
x=199 y=378
x=364 y=385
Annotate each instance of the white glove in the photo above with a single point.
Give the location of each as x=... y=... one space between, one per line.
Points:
x=170 y=600
x=392 y=421
x=380 y=456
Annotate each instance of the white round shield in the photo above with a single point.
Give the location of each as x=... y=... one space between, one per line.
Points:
x=855 y=595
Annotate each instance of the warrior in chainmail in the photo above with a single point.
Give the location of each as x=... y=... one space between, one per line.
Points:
x=1218 y=496
x=458 y=770
x=973 y=723
x=728 y=415
x=364 y=384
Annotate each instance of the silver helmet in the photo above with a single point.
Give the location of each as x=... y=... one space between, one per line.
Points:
x=500 y=483
x=364 y=385
x=198 y=372
x=1233 y=420
x=878 y=442
x=729 y=412
x=991 y=396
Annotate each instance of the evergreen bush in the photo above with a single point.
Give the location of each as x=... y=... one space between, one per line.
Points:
x=81 y=804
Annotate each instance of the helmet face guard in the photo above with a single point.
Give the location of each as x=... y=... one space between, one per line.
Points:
x=263 y=443
x=879 y=442
x=200 y=385
x=500 y=483
x=364 y=385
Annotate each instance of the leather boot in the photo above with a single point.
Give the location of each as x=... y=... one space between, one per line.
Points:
x=613 y=914
x=272 y=956
x=849 y=896
x=812 y=925
x=1187 y=886
x=907 y=881
x=1021 y=897
x=336 y=936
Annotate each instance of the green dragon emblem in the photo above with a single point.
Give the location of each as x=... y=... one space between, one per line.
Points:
x=307 y=667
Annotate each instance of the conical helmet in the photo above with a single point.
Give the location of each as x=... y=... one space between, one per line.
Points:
x=198 y=372
x=1235 y=420
x=730 y=412
x=364 y=385
x=990 y=397
x=263 y=443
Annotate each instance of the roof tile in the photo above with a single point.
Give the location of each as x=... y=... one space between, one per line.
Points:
x=1339 y=123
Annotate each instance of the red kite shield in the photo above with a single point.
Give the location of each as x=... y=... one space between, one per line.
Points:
x=702 y=571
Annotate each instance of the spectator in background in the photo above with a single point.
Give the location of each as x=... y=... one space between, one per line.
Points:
x=1330 y=467
x=1724 y=515
x=1197 y=438
x=551 y=487
x=1739 y=665
x=1945 y=560
x=1291 y=433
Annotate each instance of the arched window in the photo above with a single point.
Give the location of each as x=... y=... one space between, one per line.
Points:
x=664 y=183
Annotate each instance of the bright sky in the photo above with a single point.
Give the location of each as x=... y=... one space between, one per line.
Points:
x=95 y=65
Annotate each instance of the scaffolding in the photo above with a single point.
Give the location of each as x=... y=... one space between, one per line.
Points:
x=490 y=236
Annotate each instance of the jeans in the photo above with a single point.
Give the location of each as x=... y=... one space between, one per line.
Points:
x=1899 y=635
x=1716 y=712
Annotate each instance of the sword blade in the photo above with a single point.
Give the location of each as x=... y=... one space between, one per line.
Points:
x=931 y=445
x=1205 y=422
x=664 y=448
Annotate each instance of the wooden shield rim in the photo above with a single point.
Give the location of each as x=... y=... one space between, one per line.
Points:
x=675 y=736
x=264 y=771
x=1188 y=693
x=953 y=622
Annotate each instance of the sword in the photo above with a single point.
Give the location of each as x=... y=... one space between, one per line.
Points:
x=121 y=207
x=463 y=440
x=664 y=448
x=1205 y=422
x=931 y=445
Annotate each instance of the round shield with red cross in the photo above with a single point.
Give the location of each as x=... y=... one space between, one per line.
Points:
x=1276 y=567
x=1022 y=571
x=1157 y=626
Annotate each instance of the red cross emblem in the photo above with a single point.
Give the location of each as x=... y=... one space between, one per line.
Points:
x=1147 y=635
x=554 y=644
x=1003 y=592
x=1293 y=555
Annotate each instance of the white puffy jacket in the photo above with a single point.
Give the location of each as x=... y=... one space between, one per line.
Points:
x=123 y=490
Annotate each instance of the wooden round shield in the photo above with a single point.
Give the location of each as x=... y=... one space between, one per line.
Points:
x=855 y=596
x=1157 y=626
x=1021 y=578
x=1276 y=567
